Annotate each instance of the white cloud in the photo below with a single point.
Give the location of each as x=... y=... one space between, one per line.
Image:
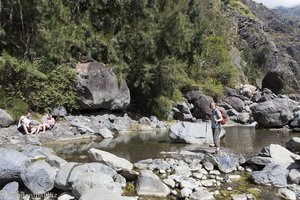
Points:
x=275 y=3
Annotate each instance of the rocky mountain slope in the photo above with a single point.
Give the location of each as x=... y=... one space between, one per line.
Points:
x=291 y=14
x=270 y=43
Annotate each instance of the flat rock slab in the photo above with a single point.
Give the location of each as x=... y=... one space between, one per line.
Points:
x=111 y=160
x=271 y=175
x=192 y=133
x=148 y=184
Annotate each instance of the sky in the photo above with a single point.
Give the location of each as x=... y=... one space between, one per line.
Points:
x=275 y=3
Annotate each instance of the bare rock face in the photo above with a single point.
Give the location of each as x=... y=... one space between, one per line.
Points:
x=276 y=44
x=99 y=88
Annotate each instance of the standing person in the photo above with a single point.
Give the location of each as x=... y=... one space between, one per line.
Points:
x=216 y=126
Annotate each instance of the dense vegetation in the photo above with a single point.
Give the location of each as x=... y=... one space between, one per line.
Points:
x=159 y=47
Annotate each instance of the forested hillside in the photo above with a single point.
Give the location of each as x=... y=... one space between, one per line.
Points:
x=161 y=48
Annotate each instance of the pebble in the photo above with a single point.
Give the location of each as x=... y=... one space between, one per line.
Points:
x=240 y=168
x=248 y=169
x=234 y=177
x=229 y=188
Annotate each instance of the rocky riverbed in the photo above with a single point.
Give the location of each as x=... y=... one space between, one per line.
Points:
x=36 y=171
x=29 y=170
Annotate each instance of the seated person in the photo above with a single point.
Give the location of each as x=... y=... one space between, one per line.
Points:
x=49 y=123
x=25 y=125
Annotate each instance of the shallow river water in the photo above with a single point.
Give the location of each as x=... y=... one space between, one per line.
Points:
x=245 y=140
x=134 y=147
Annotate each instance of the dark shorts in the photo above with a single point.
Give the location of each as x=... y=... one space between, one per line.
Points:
x=21 y=129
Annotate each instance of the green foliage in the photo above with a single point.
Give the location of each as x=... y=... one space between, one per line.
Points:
x=158 y=47
x=24 y=81
x=213 y=88
x=256 y=60
x=16 y=107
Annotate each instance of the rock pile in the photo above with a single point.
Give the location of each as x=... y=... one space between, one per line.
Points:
x=244 y=105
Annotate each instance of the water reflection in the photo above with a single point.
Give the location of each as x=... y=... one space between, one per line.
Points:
x=249 y=141
x=135 y=147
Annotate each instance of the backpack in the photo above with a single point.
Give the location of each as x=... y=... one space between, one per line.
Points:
x=224 y=116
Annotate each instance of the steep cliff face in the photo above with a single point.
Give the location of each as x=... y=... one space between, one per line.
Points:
x=274 y=46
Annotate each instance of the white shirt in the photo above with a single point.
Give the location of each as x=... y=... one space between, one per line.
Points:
x=24 y=119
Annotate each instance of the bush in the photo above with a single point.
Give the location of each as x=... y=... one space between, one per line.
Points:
x=24 y=81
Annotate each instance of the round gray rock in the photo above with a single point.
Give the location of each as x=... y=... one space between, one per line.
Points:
x=39 y=177
x=274 y=113
x=5 y=119
x=12 y=164
x=294 y=144
x=94 y=180
x=237 y=103
x=201 y=194
x=10 y=191
x=271 y=175
x=77 y=171
x=201 y=104
x=61 y=178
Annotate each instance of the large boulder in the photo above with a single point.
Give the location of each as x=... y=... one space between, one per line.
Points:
x=227 y=163
x=39 y=177
x=294 y=144
x=115 y=162
x=10 y=191
x=282 y=156
x=37 y=152
x=273 y=113
x=296 y=121
x=192 y=133
x=294 y=176
x=271 y=175
x=77 y=171
x=247 y=90
x=12 y=164
x=236 y=103
x=61 y=178
x=98 y=87
x=5 y=119
x=201 y=104
x=94 y=180
x=266 y=95
x=148 y=184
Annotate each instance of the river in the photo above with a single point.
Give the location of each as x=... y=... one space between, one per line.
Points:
x=134 y=147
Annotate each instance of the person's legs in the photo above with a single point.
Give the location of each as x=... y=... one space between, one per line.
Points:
x=26 y=128
x=214 y=136
x=217 y=139
x=46 y=126
x=21 y=129
x=39 y=128
x=34 y=130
